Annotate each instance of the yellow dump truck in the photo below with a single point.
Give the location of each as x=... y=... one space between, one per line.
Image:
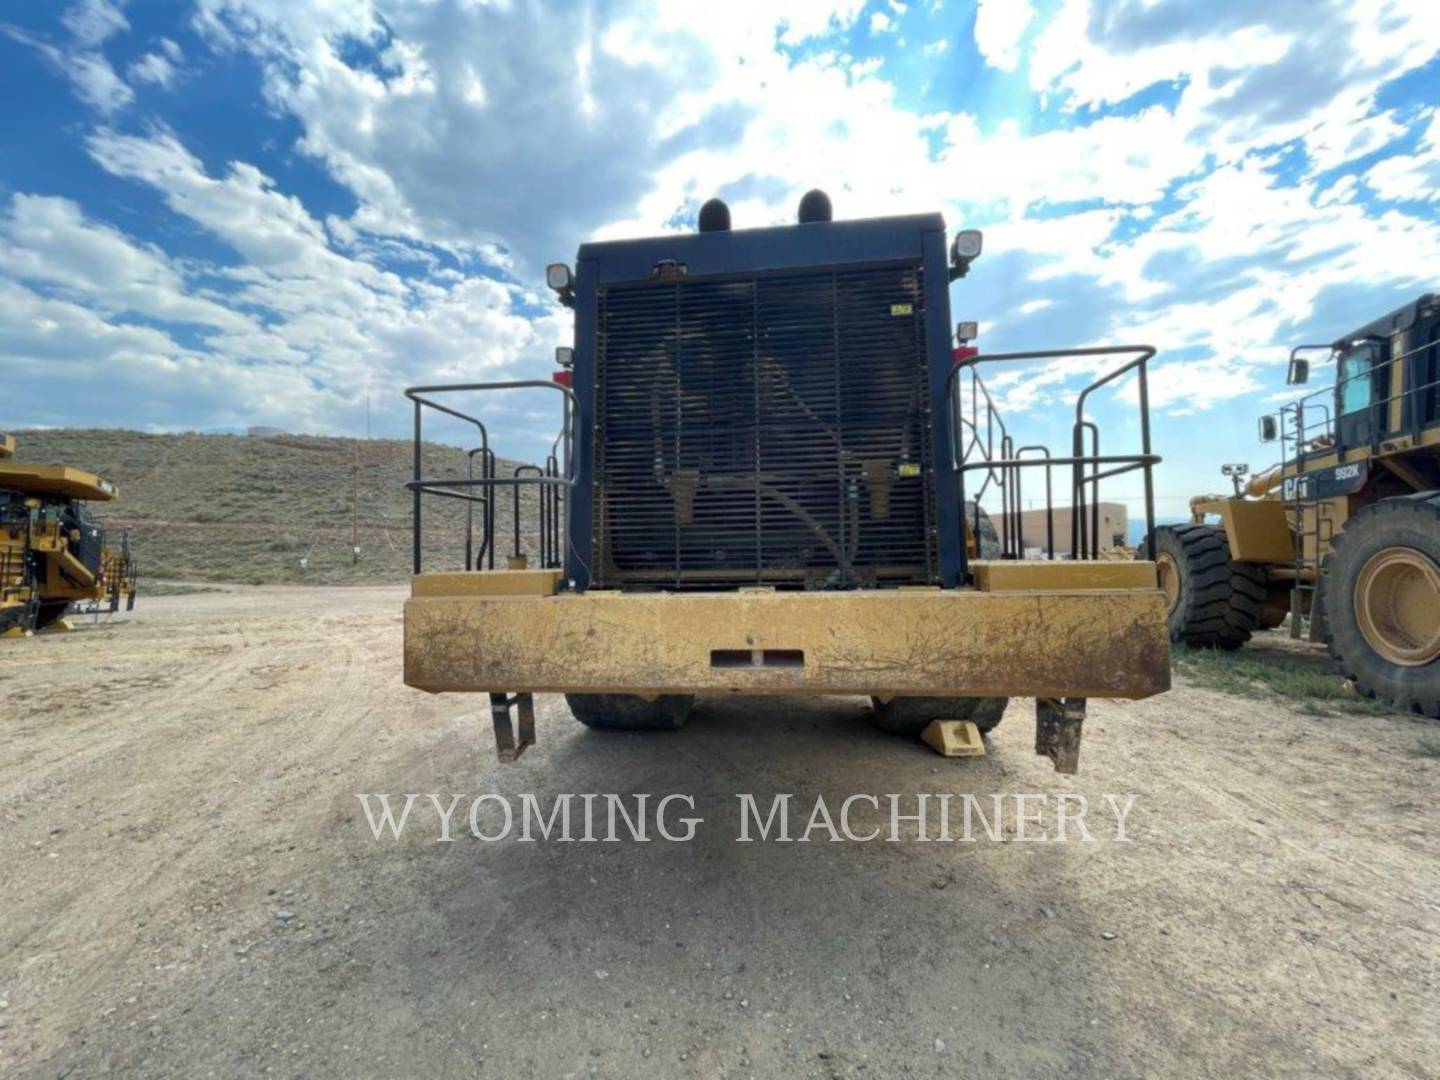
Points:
x=1344 y=530
x=768 y=480
x=52 y=554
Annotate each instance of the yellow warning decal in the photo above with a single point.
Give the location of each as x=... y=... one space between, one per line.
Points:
x=902 y=309
x=908 y=468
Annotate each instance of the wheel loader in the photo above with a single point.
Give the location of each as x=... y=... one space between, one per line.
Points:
x=1344 y=531
x=52 y=553
x=768 y=478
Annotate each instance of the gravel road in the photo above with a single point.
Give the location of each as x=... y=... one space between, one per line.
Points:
x=191 y=887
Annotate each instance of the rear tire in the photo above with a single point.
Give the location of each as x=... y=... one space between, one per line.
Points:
x=49 y=612
x=988 y=545
x=1380 y=598
x=912 y=715
x=630 y=712
x=1214 y=601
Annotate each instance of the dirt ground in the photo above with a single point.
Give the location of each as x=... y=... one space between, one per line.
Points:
x=172 y=780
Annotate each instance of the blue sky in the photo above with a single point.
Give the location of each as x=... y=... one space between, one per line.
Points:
x=234 y=212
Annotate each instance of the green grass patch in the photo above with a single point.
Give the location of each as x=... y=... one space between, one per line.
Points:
x=1427 y=748
x=1308 y=685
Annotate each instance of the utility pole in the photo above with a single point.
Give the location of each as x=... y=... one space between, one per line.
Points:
x=355 y=502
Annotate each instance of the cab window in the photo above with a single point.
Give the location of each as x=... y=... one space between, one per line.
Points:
x=1357 y=384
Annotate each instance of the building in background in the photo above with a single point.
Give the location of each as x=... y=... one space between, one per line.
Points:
x=1114 y=528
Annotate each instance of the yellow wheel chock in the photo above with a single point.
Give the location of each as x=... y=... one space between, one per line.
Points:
x=954 y=738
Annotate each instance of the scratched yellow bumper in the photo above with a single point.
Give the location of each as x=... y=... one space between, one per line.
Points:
x=474 y=632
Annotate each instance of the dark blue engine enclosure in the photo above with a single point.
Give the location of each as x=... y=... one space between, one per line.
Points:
x=917 y=240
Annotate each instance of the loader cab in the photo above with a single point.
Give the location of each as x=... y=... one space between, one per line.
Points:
x=1387 y=385
x=1362 y=377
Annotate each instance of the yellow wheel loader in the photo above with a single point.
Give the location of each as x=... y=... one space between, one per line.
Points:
x=1344 y=530
x=52 y=554
x=768 y=480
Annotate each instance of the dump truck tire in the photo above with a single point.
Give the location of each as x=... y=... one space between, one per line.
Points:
x=1214 y=602
x=49 y=611
x=1380 y=600
x=630 y=712
x=14 y=617
x=912 y=715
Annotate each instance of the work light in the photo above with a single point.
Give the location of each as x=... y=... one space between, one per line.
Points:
x=968 y=243
x=557 y=276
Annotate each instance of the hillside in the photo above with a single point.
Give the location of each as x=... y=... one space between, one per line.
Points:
x=232 y=508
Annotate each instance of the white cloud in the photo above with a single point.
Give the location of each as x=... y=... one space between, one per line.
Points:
x=801 y=20
x=92 y=22
x=96 y=83
x=90 y=75
x=47 y=240
x=999 y=26
x=565 y=97
x=154 y=68
x=1250 y=72
x=478 y=138
x=298 y=332
x=1414 y=176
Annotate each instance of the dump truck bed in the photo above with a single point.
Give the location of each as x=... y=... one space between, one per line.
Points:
x=54 y=480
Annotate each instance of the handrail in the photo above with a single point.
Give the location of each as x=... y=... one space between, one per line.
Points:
x=1086 y=472
x=1323 y=397
x=420 y=486
x=487 y=538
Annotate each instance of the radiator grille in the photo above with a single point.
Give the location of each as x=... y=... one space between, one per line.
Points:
x=772 y=430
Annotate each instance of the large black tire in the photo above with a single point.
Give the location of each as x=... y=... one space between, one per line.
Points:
x=628 y=712
x=989 y=540
x=912 y=715
x=14 y=617
x=1364 y=619
x=49 y=612
x=1215 y=602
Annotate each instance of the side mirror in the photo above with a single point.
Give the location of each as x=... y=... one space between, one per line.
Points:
x=1299 y=373
x=1269 y=429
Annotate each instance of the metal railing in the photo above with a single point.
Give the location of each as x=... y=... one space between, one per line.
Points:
x=980 y=443
x=552 y=479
